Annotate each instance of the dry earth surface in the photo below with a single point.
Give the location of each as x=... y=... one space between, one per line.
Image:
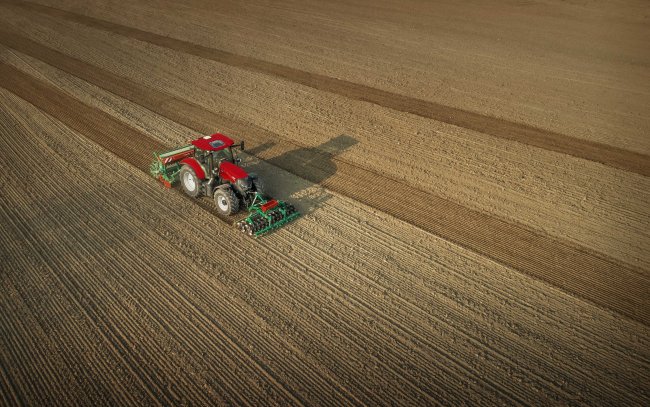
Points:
x=474 y=180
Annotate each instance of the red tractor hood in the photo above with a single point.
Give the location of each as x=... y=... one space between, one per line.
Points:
x=231 y=172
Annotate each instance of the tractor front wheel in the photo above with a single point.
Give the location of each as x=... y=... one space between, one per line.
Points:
x=226 y=201
x=190 y=183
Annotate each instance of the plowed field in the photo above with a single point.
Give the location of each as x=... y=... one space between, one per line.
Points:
x=474 y=183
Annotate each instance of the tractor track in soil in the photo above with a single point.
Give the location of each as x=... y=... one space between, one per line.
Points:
x=509 y=130
x=414 y=328
x=578 y=270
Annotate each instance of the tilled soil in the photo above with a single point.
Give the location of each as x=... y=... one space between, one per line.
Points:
x=608 y=155
x=555 y=194
x=594 y=277
x=118 y=291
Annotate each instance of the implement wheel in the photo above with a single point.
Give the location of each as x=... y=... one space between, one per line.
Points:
x=226 y=201
x=190 y=183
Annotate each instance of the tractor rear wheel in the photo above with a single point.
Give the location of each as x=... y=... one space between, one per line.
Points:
x=226 y=201
x=190 y=183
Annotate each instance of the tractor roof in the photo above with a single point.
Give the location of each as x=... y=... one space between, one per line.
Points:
x=214 y=142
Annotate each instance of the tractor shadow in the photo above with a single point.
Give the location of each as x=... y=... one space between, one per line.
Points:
x=305 y=171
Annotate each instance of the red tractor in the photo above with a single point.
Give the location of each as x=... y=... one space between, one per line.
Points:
x=209 y=166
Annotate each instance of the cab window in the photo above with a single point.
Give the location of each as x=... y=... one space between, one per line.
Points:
x=222 y=154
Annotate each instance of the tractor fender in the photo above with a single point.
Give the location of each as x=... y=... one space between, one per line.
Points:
x=195 y=165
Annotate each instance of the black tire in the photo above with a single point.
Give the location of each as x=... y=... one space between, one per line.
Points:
x=226 y=201
x=190 y=183
x=259 y=186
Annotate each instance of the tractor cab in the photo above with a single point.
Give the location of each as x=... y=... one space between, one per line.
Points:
x=218 y=146
x=216 y=157
x=226 y=154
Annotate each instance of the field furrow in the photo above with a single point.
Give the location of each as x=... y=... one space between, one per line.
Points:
x=450 y=231
x=581 y=202
x=491 y=236
x=116 y=338
x=334 y=318
x=526 y=134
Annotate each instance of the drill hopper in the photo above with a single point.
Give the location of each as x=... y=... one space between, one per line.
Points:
x=166 y=166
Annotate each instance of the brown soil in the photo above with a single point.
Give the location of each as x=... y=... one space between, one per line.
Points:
x=562 y=143
x=548 y=192
x=602 y=281
x=118 y=291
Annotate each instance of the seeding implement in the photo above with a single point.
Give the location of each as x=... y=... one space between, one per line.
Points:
x=209 y=167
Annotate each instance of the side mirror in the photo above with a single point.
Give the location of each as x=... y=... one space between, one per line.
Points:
x=241 y=145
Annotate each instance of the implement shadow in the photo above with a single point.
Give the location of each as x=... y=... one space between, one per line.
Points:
x=307 y=166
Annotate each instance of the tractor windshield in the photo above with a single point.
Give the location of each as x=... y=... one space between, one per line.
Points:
x=225 y=154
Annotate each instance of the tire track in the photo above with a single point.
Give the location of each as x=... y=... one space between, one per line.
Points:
x=578 y=270
x=609 y=155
